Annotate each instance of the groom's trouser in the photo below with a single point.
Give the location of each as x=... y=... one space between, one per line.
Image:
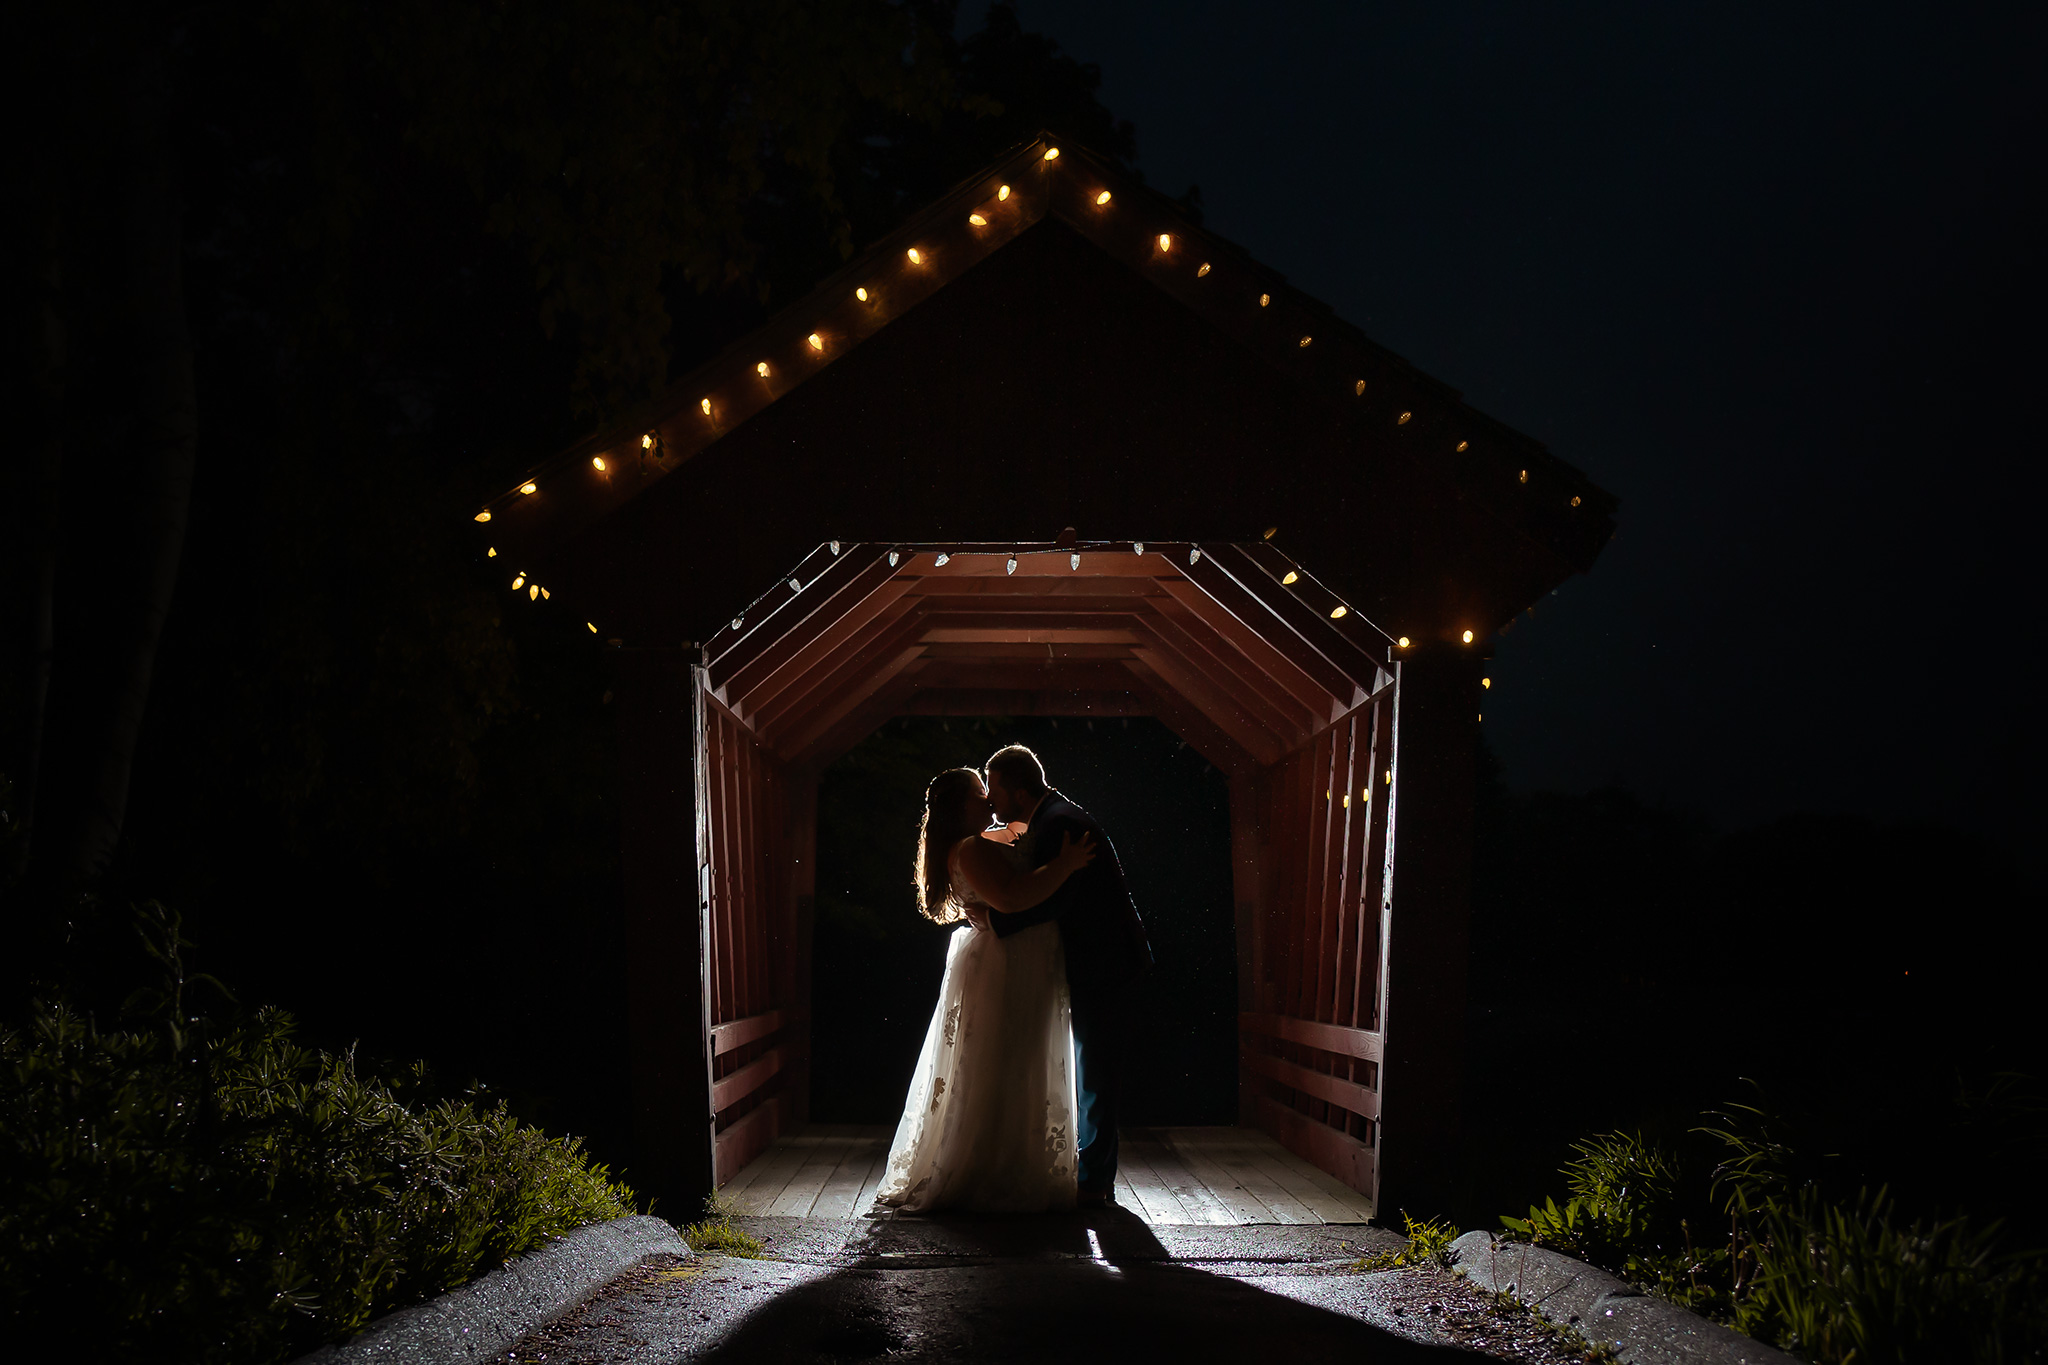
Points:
x=1100 y=1030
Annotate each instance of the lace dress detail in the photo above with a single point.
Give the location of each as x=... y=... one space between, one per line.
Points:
x=988 y=1123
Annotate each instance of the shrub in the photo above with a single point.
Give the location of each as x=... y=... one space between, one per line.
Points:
x=208 y=1189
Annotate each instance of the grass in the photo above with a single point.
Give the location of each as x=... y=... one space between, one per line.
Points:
x=1429 y=1243
x=716 y=1233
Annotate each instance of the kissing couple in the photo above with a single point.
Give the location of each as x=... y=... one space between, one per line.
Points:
x=1013 y=1106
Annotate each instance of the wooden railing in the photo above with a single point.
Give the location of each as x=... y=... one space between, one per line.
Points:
x=746 y=1137
x=1311 y=1136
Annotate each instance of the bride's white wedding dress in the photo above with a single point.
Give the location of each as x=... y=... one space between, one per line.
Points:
x=989 y=1122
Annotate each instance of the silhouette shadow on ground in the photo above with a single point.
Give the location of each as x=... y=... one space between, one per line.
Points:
x=1095 y=1286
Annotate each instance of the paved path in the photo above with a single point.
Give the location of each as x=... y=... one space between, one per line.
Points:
x=1077 y=1288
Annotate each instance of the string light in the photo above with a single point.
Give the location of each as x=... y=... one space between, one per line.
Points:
x=592 y=625
x=533 y=593
x=1074 y=561
x=1269 y=533
x=941 y=560
x=738 y=621
x=893 y=557
x=1402 y=642
x=1462 y=446
x=1486 y=683
x=817 y=342
x=1338 y=612
x=1003 y=192
x=1359 y=388
x=529 y=488
x=1166 y=241
x=1290 y=580
x=491 y=553
x=1347 y=800
x=483 y=516
x=861 y=293
x=1138 y=545
x=1265 y=299
x=597 y=463
x=1306 y=340
x=835 y=546
x=1203 y=271
x=519 y=583
x=1390 y=777
x=1194 y=558
x=977 y=220
x=1102 y=198
x=705 y=403
x=647 y=441
x=761 y=368
x=543 y=592
x=1402 y=420
x=1052 y=154
x=1525 y=476
x=1575 y=500
x=915 y=258
x=795 y=586
x=1011 y=567
x=1468 y=637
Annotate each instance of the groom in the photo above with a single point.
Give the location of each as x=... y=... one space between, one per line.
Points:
x=1105 y=946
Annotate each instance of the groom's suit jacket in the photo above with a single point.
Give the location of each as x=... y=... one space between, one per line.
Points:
x=1105 y=940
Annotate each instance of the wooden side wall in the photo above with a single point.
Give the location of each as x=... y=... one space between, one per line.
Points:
x=755 y=816
x=1310 y=849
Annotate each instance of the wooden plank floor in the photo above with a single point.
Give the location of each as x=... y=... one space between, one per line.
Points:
x=1165 y=1175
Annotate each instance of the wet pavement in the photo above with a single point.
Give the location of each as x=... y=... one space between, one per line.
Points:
x=1075 y=1288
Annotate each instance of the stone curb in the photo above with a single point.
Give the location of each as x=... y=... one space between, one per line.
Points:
x=1642 y=1329
x=478 y=1320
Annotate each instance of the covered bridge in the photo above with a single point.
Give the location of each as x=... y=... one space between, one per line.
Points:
x=1049 y=449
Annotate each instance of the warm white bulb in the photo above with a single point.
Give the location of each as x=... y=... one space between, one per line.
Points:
x=1337 y=613
x=1402 y=642
x=483 y=516
x=529 y=488
x=705 y=403
x=817 y=342
x=597 y=463
x=543 y=592
x=1203 y=271
x=1306 y=340
x=533 y=593
x=1291 y=578
x=1011 y=567
x=519 y=583
x=761 y=368
x=1102 y=198
x=1166 y=241
x=491 y=553
x=1463 y=446
x=738 y=621
x=1194 y=558
x=1138 y=545
x=1486 y=683
x=1575 y=500
x=1003 y=193
x=915 y=259
x=593 y=627
x=943 y=557
x=1073 y=561
x=977 y=220
x=647 y=441
x=861 y=293
x=1524 y=479
x=1265 y=299
x=1052 y=154
x=1359 y=388
x=1402 y=420
x=1468 y=637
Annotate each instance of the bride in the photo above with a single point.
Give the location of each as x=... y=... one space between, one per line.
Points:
x=989 y=1121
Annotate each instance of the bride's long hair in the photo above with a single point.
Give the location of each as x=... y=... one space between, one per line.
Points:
x=946 y=822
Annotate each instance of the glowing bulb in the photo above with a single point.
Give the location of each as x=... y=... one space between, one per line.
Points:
x=861 y=293
x=977 y=220
x=1102 y=198
x=1402 y=642
x=529 y=488
x=1269 y=533
x=1052 y=154
x=817 y=342
x=1486 y=683
x=1338 y=612
x=915 y=258
x=1347 y=800
x=1291 y=578
x=1525 y=476
x=943 y=557
x=795 y=586
x=533 y=593
x=1166 y=241
x=597 y=463
x=647 y=441
x=491 y=553
x=1203 y=271
x=1575 y=500
x=1468 y=637
x=761 y=368
x=1359 y=388
x=1306 y=340
x=543 y=592
x=1402 y=420
x=1138 y=545
x=1011 y=567
x=835 y=546
x=705 y=403
x=519 y=583
x=1328 y=795
x=738 y=621
x=893 y=558
x=483 y=516
x=1390 y=777
x=1265 y=299
x=1463 y=446
x=1194 y=558
x=1073 y=561
x=593 y=627
x=1003 y=192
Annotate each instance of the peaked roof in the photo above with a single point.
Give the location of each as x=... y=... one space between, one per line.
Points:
x=1054 y=321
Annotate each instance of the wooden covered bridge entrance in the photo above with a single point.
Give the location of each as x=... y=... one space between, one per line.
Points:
x=1337 y=538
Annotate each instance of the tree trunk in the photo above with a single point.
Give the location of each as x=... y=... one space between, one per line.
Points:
x=163 y=445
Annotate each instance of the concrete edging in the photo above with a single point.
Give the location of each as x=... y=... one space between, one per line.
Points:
x=1642 y=1328
x=478 y=1320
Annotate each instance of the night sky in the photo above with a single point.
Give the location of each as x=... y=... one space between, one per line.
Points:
x=1773 y=277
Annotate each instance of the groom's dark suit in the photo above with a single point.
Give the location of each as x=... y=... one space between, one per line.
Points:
x=1106 y=953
